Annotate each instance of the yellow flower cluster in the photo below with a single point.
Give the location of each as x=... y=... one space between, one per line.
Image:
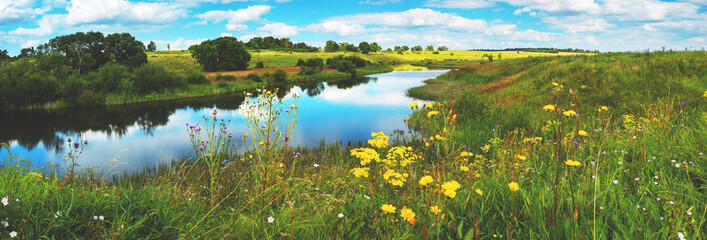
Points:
x=435 y=209
x=429 y=105
x=432 y=113
x=569 y=113
x=478 y=191
x=360 y=172
x=388 y=208
x=572 y=163
x=466 y=154
x=380 y=140
x=602 y=108
x=426 y=180
x=35 y=175
x=549 y=108
x=394 y=178
x=486 y=148
x=705 y=95
x=513 y=186
x=366 y=155
x=464 y=168
x=450 y=188
x=400 y=156
x=408 y=215
x=582 y=133
x=412 y=105
x=521 y=157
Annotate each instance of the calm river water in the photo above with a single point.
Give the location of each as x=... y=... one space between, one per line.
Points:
x=142 y=135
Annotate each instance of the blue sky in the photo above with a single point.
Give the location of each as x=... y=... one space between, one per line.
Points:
x=606 y=25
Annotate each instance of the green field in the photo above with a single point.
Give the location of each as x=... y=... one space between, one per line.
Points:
x=601 y=146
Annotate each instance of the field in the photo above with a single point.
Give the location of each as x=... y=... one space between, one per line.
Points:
x=601 y=146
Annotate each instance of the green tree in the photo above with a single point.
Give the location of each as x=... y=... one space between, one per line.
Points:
x=364 y=47
x=347 y=67
x=442 y=48
x=26 y=53
x=312 y=66
x=375 y=47
x=430 y=48
x=4 y=55
x=124 y=49
x=416 y=48
x=280 y=76
x=331 y=46
x=221 y=54
x=405 y=48
x=84 y=50
x=150 y=78
x=151 y=47
x=489 y=56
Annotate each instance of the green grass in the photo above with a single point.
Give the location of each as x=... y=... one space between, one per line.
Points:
x=626 y=187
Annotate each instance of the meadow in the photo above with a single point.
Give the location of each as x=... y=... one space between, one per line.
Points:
x=601 y=146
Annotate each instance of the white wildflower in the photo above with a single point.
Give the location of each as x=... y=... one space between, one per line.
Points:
x=271 y=219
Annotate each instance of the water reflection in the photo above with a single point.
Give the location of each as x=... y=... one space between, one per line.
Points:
x=144 y=134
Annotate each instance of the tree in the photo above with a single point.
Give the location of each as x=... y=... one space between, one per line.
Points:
x=168 y=47
x=499 y=56
x=331 y=46
x=442 y=48
x=124 y=49
x=221 y=54
x=312 y=66
x=84 y=50
x=364 y=47
x=347 y=67
x=26 y=53
x=375 y=47
x=489 y=56
x=279 y=76
x=416 y=48
x=151 y=47
x=405 y=48
x=430 y=48
x=4 y=55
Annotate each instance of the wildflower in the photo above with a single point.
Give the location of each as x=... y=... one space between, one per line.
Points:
x=549 y=108
x=432 y=113
x=388 y=208
x=271 y=219
x=450 y=194
x=57 y=214
x=407 y=214
x=95 y=217
x=464 y=168
x=429 y=105
x=582 y=133
x=569 y=113
x=341 y=215
x=680 y=235
x=13 y=234
x=4 y=201
x=466 y=154
x=478 y=191
x=435 y=209
x=602 y=108
x=615 y=181
x=101 y=217
x=367 y=197
x=425 y=180
x=5 y=224
x=450 y=188
x=412 y=105
x=380 y=140
x=513 y=186
x=572 y=163
x=316 y=165
x=521 y=157
x=360 y=172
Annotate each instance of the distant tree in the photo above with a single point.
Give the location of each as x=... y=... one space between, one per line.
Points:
x=348 y=47
x=416 y=48
x=405 y=48
x=499 y=56
x=26 y=53
x=430 y=48
x=375 y=47
x=364 y=47
x=151 y=47
x=312 y=66
x=259 y=65
x=4 y=55
x=300 y=63
x=221 y=54
x=489 y=56
x=85 y=51
x=389 y=50
x=442 y=48
x=331 y=46
x=124 y=49
x=168 y=47
x=150 y=78
x=280 y=76
x=397 y=48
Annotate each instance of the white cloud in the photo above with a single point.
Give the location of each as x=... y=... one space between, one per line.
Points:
x=591 y=40
x=379 y=2
x=279 y=30
x=226 y=35
x=522 y=10
x=179 y=44
x=20 y=11
x=463 y=4
x=236 y=18
x=557 y=5
x=696 y=40
x=47 y=25
x=30 y=43
x=501 y=29
x=339 y=28
x=531 y=36
x=121 y=12
x=576 y=24
x=647 y=10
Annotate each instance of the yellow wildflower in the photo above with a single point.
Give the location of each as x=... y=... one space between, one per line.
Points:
x=555 y=84
x=450 y=194
x=360 y=172
x=451 y=185
x=572 y=163
x=513 y=186
x=435 y=209
x=425 y=180
x=412 y=105
x=429 y=105
x=549 y=108
x=521 y=157
x=380 y=140
x=388 y=208
x=439 y=138
x=477 y=175
x=407 y=214
x=582 y=133
x=432 y=113
x=486 y=148
x=705 y=95
x=466 y=154
x=464 y=168
x=478 y=191
x=366 y=155
x=569 y=113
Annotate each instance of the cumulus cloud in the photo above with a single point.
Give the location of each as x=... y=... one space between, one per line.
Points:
x=463 y=4
x=20 y=11
x=178 y=44
x=47 y=25
x=647 y=10
x=236 y=19
x=279 y=30
x=379 y=2
x=338 y=28
x=121 y=12
x=696 y=40
x=579 y=24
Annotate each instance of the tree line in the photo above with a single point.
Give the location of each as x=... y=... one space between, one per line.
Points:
x=540 y=50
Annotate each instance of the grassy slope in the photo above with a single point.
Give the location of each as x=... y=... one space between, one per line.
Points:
x=627 y=186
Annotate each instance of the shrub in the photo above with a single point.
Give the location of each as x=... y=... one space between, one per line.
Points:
x=222 y=84
x=253 y=77
x=260 y=65
x=150 y=78
x=279 y=76
x=196 y=77
x=221 y=54
x=226 y=77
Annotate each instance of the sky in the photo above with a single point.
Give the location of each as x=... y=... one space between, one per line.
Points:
x=605 y=25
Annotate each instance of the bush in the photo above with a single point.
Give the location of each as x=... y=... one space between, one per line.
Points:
x=253 y=77
x=150 y=78
x=226 y=77
x=221 y=54
x=300 y=63
x=312 y=66
x=109 y=77
x=196 y=77
x=279 y=76
x=260 y=65
x=222 y=84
